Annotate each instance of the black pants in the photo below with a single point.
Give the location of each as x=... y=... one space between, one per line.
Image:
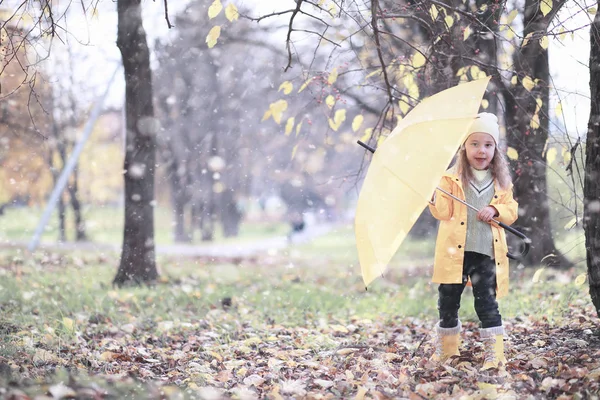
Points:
x=482 y=271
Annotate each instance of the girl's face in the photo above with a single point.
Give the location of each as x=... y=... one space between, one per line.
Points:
x=480 y=148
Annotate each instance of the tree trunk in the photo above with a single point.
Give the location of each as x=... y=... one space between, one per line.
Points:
x=138 y=261
x=529 y=139
x=60 y=148
x=179 y=199
x=591 y=185
x=80 y=234
x=230 y=213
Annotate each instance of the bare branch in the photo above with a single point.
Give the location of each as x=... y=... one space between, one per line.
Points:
x=374 y=12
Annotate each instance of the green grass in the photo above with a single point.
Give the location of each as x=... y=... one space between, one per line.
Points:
x=317 y=281
x=105 y=225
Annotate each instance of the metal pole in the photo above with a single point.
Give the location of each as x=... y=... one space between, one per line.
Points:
x=70 y=165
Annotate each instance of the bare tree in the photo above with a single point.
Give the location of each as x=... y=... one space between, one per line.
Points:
x=591 y=216
x=138 y=260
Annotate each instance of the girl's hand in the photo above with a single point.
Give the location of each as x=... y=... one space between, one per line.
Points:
x=486 y=214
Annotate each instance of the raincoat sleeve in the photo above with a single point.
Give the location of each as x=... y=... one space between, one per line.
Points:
x=507 y=207
x=442 y=208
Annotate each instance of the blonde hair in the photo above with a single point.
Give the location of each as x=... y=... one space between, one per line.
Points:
x=498 y=166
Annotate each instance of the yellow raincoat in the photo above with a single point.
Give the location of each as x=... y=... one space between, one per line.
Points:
x=452 y=233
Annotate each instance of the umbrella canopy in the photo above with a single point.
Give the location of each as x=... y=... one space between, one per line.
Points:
x=406 y=169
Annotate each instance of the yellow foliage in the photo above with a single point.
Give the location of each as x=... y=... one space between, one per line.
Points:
x=330 y=101
x=214 y=9
x=289 y=126
x=339 y=117
x=357 y=122
x=287 y=87
x=467 y=32
x=545 y=7
x=418 y=60
x=512 y=153
x=332 y=76
x=213 y=36
x=528 y=83
x=231 y=12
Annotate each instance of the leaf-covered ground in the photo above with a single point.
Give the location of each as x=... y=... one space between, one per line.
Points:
x=296 y=324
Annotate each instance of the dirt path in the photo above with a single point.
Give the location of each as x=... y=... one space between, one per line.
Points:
x=231 y=249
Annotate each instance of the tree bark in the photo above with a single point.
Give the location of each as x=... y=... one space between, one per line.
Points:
x=138 y=261
x=591 y=184
x=80 y=234
x=530 y=184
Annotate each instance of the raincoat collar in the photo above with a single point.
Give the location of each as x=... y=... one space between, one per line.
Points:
x=452 y=173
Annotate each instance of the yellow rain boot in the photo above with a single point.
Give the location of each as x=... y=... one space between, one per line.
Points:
x=446 y=343
x=493 y=347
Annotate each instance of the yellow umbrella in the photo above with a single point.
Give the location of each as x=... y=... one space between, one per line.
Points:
x=406 y=169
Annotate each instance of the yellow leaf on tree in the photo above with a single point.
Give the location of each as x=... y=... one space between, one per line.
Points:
x=449 y=21
x=545 y=7
x=294 y=150
x=580 y=279
x=513 y=80
x=277 y=108
x=330 y=101
x=333 y=75
x=511 y=16
x=485 y=104
x=512 y=153
x=298 y=128
x=544 y=42
x=467 y=32
x=562 y=33
x=528 y=83
x=231 y=12
x=433 y=11
x=567 y=157
x=538 y=104
x=287 y=87
x=266 y=115
x=535 y=122
x=418 y=60
x=367 y=135
x=357 y=122
x=551 y=155
x=213 y=36
x=338 y=118
x=214 y=9
x=558 y=109
x=526 y=40
x=413 y=91
x=592 y=10
x=289 y=126
x=305 y=84
x=404 y=106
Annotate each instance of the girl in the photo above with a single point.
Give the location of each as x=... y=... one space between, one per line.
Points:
x=468 y=245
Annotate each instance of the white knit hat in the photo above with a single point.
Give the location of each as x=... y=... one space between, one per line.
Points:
x=486 y=123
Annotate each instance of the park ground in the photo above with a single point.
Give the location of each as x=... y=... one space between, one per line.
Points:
x=290 y=322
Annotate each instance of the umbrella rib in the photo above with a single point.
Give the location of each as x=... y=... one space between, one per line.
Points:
x=403 y=181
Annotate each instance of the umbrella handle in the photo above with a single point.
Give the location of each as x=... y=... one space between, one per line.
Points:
x=512 y=230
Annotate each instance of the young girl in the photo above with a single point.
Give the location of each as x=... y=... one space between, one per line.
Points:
x=469 y=245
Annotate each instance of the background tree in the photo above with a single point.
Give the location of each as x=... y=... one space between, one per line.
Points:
x=591 y=216
x=527 y=126
x=138 y=260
